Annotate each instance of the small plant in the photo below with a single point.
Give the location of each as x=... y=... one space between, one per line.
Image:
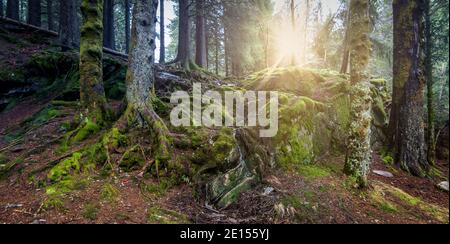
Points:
x=109 y=193
x=53 y=202
x=90 y=211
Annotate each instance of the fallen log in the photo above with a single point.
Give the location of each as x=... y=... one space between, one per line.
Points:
x=7 y=21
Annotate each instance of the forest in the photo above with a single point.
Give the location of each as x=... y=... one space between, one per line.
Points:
x=224 y=111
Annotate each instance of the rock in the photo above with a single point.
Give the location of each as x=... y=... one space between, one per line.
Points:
x=383 y=173
x=39 y=222
x=268 y=191
x=443 y=186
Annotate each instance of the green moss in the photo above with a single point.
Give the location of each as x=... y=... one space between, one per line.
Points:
x=3 y=159
x=161 y=188
x=132 y=159
x=52 y=64
x=90 y=211
x=53 y=202
x=313 y=171
x=109 y=193
x=379 y=200
x=89 y=128
x=16 y=75
x=157 y=215
x=216 y=151
x=406 y=198
x=65 y=168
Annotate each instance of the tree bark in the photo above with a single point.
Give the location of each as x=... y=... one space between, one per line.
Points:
x=68 y=24
x=50 y=24
x=294 y=27
x=140 y=75
x=200 y=34
x=184 y=53
x=108 y=24
x=92 y=93
x=1 y=8
x=12 y=9
x=346 y=52
x=359 y=147
x=34 y=12
x=162 y=37
x=431 y=153
x=406 y=123
x=127 y=25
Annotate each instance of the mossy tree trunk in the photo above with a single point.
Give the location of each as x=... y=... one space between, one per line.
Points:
x=406 y=122
x=92 y=93
x=140 y=75
x=359 y=147
x=430 y=82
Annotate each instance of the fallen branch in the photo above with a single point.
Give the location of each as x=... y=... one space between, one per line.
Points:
x=28 y=26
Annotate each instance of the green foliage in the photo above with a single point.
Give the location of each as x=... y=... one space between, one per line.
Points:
x=109 y=193
x=90 y=211
x=313 y=171
x=89 y=128
x=64 y=168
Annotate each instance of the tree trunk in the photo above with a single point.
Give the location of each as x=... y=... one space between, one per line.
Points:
x=140 y=75
x=294 y=27
x=108 y=24
x=162 y=37
x=226 y=47
x=430 y=82
x=12 y=9
x=127 y=25
x=304 y=31
x=68 y=24
x=359 y=147
x=200 y=34
x=50 y=24
x=346 y=52
x=34 y=13
x=216 y=44
x=406 y=123
x=92 y=93
x=1 y=8
x=184 y=54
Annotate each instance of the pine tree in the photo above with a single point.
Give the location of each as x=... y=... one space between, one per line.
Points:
x=34 y=12
x=406 y=123
x=12 y=9
x=68 y=24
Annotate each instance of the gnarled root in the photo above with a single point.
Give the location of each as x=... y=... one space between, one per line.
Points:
x=141 y=116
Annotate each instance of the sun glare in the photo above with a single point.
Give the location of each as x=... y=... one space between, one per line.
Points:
x=287 y=45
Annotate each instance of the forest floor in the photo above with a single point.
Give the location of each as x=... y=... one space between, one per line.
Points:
x=316 y=194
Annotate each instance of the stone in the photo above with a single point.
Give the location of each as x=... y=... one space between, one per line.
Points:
x=443 y=186
x=383 y=173
x=268 y=191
